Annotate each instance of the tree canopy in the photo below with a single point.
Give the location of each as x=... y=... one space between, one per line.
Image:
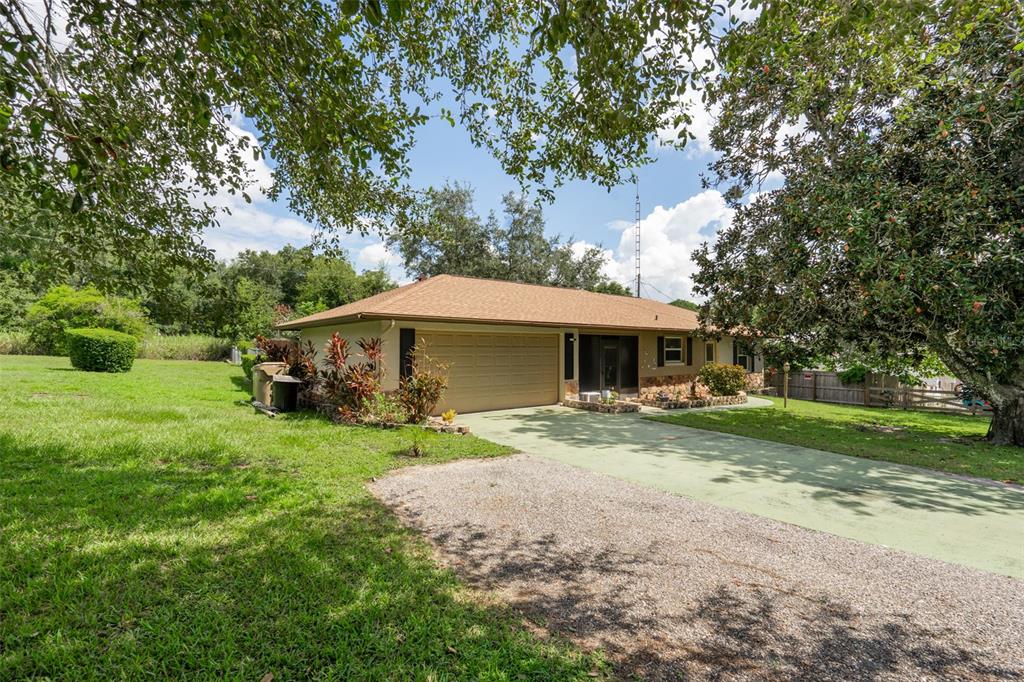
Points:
x=900 y=226
x=119 y=121
x=448 y=237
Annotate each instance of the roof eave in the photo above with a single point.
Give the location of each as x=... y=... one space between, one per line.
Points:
x=299 y=324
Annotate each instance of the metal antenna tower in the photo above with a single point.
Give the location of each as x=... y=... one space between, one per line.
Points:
x=636 y=263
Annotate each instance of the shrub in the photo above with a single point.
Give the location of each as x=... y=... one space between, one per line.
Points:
x=63 y=308
x=101 y=350
x=184 y=347
x=351 y=384
x=723 y=379
x=273 y=350
x=853 y=375
x=248 y=360
x=423 y=388
x=383 y=409
x=17 y=343
x=304 y=367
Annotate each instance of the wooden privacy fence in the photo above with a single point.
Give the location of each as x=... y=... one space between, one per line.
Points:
x=877 y=390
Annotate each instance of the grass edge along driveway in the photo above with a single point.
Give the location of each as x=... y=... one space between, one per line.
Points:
x=944 y=442
x=153 y=526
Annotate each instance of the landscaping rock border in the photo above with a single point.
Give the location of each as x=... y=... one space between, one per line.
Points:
x=617 y=407
x=330 y=411
x=712 y=401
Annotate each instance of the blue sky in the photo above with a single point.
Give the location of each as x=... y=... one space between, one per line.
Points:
x=677 y=214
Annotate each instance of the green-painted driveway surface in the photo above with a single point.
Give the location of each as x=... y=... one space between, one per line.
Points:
x=934 y=515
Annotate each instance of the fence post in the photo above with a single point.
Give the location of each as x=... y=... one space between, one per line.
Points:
x=814 y=386
x=867 y=399
x=785 y=384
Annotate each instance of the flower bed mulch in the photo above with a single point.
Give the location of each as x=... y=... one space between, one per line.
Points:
x=330 y=410
x=689 y=403
x=617 y=407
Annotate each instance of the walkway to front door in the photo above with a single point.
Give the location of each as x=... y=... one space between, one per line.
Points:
x=934 y=515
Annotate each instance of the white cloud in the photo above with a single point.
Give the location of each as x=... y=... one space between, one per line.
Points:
x=668 y=237
x=378 y=255
x=253 y=224
x=702 y=116
x=745 y=13
x=251 y=227
x=36 y=11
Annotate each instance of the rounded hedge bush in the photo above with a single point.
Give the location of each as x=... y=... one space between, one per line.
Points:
x=723 y=379
x=101 y=350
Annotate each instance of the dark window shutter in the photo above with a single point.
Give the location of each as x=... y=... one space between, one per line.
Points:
x=406 y=342
x=735 y=352
x=689 y=350
x=661 y=351
x=570 y=369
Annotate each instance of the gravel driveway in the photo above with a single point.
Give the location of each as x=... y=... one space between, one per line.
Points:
x=672 y=587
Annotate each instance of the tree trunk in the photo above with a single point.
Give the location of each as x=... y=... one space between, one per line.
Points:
x=1007 y=427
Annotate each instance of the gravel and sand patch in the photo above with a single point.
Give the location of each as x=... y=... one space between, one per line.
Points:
x=671 y=587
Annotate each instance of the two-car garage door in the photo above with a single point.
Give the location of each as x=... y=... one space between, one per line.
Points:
x=495 y=371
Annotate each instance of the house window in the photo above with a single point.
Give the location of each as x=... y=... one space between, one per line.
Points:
x=709 y=352
x=673 y=350
x=743 y=360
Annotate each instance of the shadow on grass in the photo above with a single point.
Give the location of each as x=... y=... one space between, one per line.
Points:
x=115 y=566
x=841 y=480
x=241 y=383
x=729 y=629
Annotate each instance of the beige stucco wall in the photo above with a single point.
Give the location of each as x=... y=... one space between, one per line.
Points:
x=388 y=330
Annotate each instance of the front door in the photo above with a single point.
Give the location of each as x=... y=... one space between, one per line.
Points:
x=608 y=363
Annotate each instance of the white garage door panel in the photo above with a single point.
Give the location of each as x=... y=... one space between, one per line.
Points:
x=496 y=371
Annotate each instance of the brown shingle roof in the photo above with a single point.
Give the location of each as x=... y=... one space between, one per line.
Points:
x=468 y=299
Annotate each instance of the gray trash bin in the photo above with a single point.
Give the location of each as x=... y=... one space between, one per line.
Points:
x=286 y=392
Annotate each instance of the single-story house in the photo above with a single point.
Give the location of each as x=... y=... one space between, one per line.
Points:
x=509 y=345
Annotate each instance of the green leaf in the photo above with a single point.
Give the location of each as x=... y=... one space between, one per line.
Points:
x=396 y=8
x=73 y=170
x=349 y=7
x=374 y=13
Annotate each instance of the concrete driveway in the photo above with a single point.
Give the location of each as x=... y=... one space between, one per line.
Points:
x=965 y=522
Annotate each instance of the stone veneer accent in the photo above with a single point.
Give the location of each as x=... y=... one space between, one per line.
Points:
x=668 y=380
x=683 y=384
x=710 y=401
x=617 y=407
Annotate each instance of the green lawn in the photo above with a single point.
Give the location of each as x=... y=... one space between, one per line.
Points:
x=153 y=526
x=937 y=441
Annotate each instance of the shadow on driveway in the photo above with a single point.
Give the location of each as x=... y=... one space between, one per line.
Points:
x=673 y=588
x=932 y=514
